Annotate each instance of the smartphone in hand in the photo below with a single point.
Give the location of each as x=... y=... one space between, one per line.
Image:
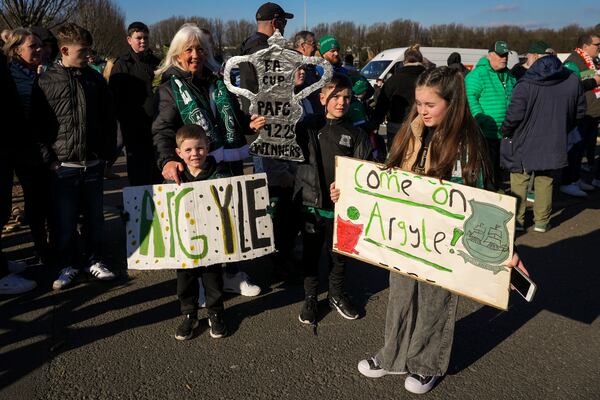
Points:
x=522 y=284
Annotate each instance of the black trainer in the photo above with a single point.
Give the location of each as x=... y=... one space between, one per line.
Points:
x=218 y=329
x=343 y=306
x=308 y=314
x=185 y=330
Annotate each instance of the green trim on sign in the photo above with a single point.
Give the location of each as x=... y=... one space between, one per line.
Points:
x=412 y=203
x=408 y=255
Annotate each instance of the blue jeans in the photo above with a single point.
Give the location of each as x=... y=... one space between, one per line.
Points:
x=78 y=191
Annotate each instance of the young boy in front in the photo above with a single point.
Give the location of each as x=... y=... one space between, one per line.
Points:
x=331 y=136
x=73 y=108
x=192 y=148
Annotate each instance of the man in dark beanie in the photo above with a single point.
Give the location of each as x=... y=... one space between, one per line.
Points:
x=131 y=84
x=534 y=51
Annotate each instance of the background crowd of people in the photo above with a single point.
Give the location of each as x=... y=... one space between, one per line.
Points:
x=531 y=126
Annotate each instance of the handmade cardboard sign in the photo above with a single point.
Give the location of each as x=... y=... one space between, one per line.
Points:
x=443 y=233
x=198 y=224
x=275 y=67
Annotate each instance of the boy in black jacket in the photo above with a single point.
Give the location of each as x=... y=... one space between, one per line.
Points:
x=131 y=85
x=74 y=110
x=192 y=148
x=332 y=136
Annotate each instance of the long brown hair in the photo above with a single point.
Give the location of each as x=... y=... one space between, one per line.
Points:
x=457 y=135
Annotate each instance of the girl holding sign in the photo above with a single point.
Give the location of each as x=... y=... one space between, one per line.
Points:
x=439 y=139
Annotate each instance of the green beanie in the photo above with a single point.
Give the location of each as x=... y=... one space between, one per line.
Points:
x=327 y=43
x=360 y=86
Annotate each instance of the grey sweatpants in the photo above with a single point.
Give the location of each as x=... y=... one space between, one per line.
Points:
x=419 y=327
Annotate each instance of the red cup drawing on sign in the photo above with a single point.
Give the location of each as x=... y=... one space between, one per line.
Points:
x=348 y=234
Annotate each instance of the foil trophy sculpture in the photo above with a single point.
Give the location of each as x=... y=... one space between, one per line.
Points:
x=275 y=68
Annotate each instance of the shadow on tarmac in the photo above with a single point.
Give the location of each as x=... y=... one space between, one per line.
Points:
x=566 y=274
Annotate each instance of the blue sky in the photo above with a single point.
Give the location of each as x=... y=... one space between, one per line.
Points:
x=529 y=13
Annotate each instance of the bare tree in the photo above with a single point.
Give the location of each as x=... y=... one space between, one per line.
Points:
x=46 y=13
x=162 y=32
x=235 y=33
x=218 y=31
x=106 y=22
x=364 y=41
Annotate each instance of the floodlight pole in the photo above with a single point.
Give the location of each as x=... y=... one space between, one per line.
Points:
x=305 y=19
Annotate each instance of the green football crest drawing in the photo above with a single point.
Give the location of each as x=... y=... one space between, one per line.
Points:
x=486 y=236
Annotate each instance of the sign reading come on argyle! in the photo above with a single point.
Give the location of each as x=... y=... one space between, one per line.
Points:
x=443 y=233
x=198 y=224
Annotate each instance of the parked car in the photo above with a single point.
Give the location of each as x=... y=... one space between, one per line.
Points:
x=383 y=65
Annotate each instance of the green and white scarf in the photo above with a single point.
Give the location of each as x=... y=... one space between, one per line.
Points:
x=194 y=109
x=217 y=118
x=236 y=147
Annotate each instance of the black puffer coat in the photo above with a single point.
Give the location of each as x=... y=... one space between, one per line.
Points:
x=74 y=110
x=321 y=140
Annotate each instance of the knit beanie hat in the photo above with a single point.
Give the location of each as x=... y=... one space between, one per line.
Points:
x=360 y=86
x=538 y=47
x=327 y=43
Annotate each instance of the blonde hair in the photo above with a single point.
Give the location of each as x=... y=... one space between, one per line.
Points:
x=15 y=39
x=186 y=35
x=413 y=54
x=110 y=63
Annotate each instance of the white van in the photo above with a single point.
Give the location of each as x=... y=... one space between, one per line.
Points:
x=383 y=65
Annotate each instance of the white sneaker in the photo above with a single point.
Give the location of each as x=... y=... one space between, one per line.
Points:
x=65 y=278
x=15 y=284
x=201 y=295
x=371 y=369
x=240 y=284
x=420 y=384
x=596 y=183
x=100 y=271
x=583 y=185
x=573 y=190
x=16 y=267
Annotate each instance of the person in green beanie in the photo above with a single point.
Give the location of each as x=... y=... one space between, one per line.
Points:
x=533 y=53
x=329 y=48
x=360 y=113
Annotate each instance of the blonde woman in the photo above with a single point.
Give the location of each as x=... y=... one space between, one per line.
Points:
x=23 y=50
x=185 y=75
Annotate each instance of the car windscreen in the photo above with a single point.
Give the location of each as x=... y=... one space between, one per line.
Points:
x=374 y=69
